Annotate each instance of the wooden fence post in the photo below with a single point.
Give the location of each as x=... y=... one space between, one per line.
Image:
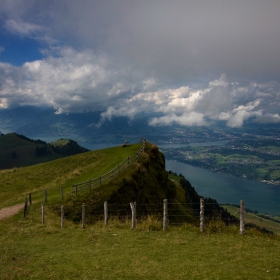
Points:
x=83 y=215
x=25 y=210
x=133 y=215
x=61 y=193
x=30 y=199
x=62 y=216
x=43 y=213
x=105 y=213
x=45 y=196
x=242 y=210
x=201 y=215
x=165 y=214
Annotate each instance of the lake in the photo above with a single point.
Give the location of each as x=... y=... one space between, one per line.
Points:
x=224 y=188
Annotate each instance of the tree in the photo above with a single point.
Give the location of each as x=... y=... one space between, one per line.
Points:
x=14 y=154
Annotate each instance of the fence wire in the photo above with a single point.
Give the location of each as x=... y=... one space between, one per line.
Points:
x=151 y=214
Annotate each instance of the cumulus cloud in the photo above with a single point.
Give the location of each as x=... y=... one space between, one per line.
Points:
x=186 y=119
x=69 y=81
x=80 y=81
x=237 y=119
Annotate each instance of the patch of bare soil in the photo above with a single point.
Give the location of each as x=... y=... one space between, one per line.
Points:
x=10 y=211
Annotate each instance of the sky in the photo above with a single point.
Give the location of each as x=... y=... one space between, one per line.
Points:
x=182 y=62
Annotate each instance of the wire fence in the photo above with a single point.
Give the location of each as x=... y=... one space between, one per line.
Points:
x=161 y=215
x=55 y=193
x=109 y=175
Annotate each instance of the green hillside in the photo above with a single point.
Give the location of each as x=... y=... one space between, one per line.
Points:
x=252 y=218
x=32 y=250
x=19 y=151
x=144 y=182
x=17 y=183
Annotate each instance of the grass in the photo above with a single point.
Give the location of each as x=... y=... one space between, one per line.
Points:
x=30 y=250
x=17 y=183
x=16 y=151
x=252 y=218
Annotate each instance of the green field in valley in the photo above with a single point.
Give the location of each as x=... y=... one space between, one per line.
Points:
x=257 y=160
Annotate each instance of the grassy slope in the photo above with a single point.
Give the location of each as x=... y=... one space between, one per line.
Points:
x=16 y=183
x=32 y=251
x=145 y=182
x=24 y=149
x=254 y=219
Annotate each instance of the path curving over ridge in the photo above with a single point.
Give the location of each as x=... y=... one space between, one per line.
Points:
x=10 y=211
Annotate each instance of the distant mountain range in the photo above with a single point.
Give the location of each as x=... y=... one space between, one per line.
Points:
x=42 y=123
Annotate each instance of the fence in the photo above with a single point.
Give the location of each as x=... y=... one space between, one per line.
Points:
x=90 y=183
x=159 y=212
x=101 y=179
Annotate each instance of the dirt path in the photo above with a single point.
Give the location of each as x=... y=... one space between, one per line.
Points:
x=10 y=211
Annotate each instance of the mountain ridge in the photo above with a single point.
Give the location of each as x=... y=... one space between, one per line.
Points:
x=17 y=150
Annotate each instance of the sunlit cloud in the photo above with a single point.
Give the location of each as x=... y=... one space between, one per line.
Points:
x=186 y=119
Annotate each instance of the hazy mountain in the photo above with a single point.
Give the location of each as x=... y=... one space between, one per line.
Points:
x=41 y=122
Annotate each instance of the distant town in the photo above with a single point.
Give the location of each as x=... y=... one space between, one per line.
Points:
x=247 y=155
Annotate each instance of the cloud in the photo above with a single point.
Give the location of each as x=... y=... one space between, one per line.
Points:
x=180 y=62
x=70 y=81
x=186 y=119
x=23 y=28
x=81 y=81
x=171 y=42
x=219 y=101
x=237 y=119
x=268 y=118
x=30 y=30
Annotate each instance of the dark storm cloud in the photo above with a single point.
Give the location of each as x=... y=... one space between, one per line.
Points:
x=178 y=40
x=174 y=40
